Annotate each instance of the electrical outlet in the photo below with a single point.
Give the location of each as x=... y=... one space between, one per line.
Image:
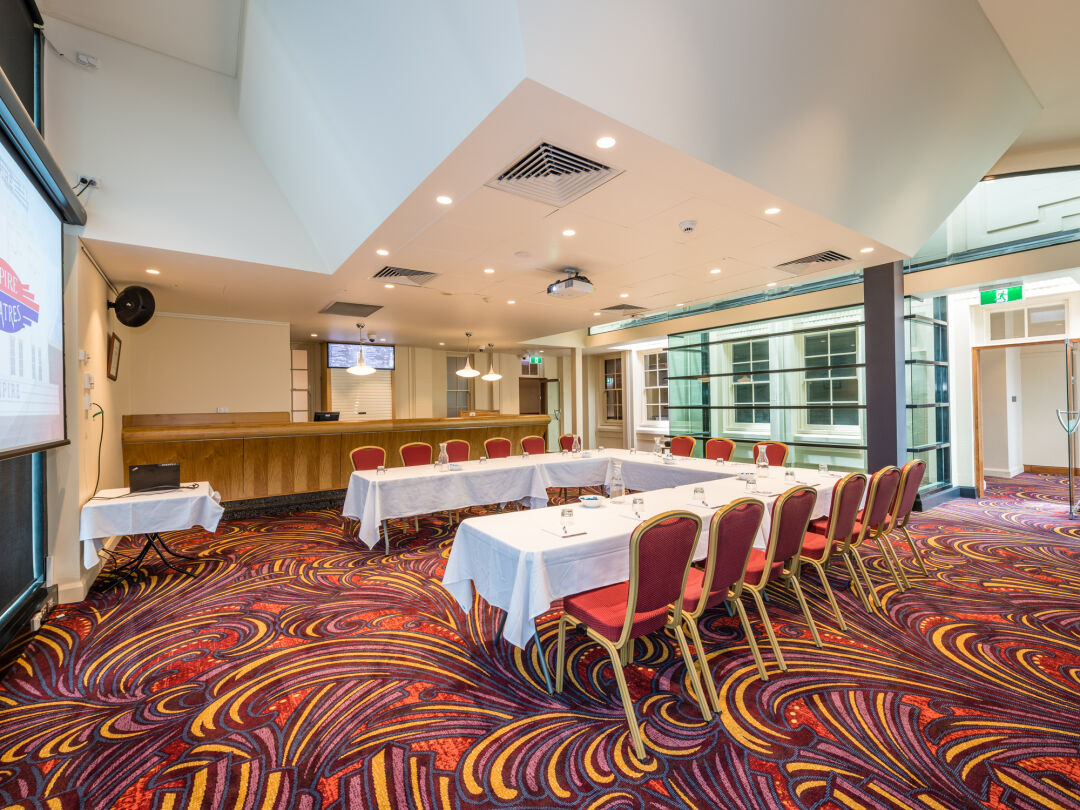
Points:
x=222 y=410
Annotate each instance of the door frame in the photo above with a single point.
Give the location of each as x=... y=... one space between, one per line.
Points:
x=976 y=396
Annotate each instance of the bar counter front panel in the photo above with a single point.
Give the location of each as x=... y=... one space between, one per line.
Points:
x=247 y=460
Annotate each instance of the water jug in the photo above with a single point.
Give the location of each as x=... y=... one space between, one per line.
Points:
x=616 y=487
x=762 y=462
x=443 y=464
x=576 y=449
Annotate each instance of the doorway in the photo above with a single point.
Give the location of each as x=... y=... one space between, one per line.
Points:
x=553 y=408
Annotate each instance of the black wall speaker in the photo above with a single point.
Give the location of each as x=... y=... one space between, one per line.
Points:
x=134 y=306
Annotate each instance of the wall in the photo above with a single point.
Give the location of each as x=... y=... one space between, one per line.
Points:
x=1043 y=383
x=193 y=364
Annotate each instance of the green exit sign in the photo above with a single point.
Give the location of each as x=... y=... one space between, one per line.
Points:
x=1001 y=296
x=536 y=359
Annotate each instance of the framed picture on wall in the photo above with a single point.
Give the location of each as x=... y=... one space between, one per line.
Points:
x=114 y=356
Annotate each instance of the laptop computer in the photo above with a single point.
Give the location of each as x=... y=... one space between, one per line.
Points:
x=146 y=477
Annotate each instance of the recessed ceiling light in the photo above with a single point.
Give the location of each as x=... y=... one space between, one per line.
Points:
x=511 y=301
x=596 y=313
x=681 y=304
x=389 y=286
x=489 y=270
x=382 y=340
x=153 y=272
x=771 y=284
x=541 y=351
x=383 y=252
x=569 y=232
x=716 y=270
x=313 y=334
x=442 y=199
x=624 y=295
x=605 y=142
x=771 y=211
x=867 y=250
x=441 y=343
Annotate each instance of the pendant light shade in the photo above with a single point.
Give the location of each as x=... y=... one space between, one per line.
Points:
x=361 y=368
x=492 y=375
x=468 y=371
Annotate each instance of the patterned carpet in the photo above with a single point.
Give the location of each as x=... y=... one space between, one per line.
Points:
x=299 y=671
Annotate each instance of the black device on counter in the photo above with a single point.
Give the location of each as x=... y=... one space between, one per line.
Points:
x=145 y=477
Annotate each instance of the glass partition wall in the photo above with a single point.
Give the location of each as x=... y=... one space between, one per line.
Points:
x=927 y=352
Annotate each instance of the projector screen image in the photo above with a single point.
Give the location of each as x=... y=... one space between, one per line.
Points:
x=31 y=315
x=343 y=355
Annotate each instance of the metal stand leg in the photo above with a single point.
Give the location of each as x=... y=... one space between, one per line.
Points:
x=386 y=536
x=153 y=541
x=543 y=658
x=157 y=537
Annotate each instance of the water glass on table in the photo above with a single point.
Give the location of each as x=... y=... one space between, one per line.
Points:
x=789 y=476
x=823 y=469
x=638 y=505
x=699 y=496
x=380 y=470
x=566 y=518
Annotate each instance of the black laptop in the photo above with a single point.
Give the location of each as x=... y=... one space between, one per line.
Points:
x=154 y=477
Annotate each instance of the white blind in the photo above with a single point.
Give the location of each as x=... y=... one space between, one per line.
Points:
x=359 y=398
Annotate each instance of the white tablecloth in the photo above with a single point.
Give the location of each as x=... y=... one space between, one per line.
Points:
x=517 y=562
x=645 y=471
x=118 y=512
x=408 y=491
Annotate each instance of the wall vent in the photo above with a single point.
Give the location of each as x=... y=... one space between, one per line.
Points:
x=824 y=260
x=350 y=309
x=403 y=275
x=553 y=176
x=623 y=308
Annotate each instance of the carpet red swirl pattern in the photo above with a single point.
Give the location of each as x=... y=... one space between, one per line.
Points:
x=299 y=670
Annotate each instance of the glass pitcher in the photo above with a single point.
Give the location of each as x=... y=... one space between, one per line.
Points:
x=576 y=448
x=616 y=487
x=658 y=445
x=443 y=464
x=762 y=462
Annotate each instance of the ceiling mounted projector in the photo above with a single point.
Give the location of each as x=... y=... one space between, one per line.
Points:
x=574 y=285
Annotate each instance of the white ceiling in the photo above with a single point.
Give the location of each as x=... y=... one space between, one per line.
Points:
x=203 y=32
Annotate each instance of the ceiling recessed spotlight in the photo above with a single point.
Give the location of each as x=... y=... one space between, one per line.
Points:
x=389 y=286
x=596 y=313
x=771 y=211
x=382 y=340
x=314 y=334
x=511 y=301
x=153 y=272
x=541 y=351
x=681 y=304
x=383 y=252
x=442 y=199
x=771 y=284
x=605 y=142
x=716 y=270
x=624 y=295
x=489 y=270
x=569 y=232
x=867 y=250
x=441 y=343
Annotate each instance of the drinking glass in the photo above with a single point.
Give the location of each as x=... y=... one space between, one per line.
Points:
x=789 y=475
x=565 y=452
x=483 y=459
x=638 y=505
x=699 y=495
x=524 y=455
x=822 y=468
x=566 y=516
x=633 y=450
x=600 y=449
x=751 y=483
x=380 y=470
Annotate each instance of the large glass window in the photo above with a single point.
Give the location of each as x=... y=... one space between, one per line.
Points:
x=831 y=378
x=613 y=389
x=655 y=385
x=750 y=381
x=927 y=344
x=457 y=388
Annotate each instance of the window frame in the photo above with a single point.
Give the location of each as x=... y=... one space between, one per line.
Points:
x=617 y=390
x=734 y=425
x=805 y=426
x=465 y=381
x=661 y=424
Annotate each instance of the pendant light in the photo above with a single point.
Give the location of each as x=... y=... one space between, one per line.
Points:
x=468 y=371
x=361 y=368
x=492 y=375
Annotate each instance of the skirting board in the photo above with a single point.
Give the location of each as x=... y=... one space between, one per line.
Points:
x=994 y=472
x=931 y=499
x=1041 y=470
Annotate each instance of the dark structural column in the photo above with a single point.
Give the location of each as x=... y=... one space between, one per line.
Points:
x=886 y=377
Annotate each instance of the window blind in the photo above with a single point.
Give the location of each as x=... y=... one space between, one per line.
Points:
x=358 y=398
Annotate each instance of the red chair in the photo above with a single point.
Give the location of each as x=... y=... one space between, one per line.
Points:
x=415 y=454
x=732 y=531
x=818 y=546
x=534 y=445
x=613 y=616
x=719 y=448
x=911 y=478
x=683 y=445
x=566 y=442
x=498 y=447
x=780 y=560
x=458 y=450
x=775 y=452
x=368 y=457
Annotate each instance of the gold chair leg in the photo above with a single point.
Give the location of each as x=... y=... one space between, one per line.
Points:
x=750 y=640
x=794 y=580
x=768 y=629
x=695 y=681
x=703 y=660
x=829 y=594
x=896 y=563
x=624 y=693
x=869 y=585
x=915 y=551
x=885 y=547
x=856 y=585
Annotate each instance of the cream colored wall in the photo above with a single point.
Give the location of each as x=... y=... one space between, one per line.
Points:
x=189 y=364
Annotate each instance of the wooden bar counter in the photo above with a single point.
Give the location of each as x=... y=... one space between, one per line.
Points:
x=246 y=459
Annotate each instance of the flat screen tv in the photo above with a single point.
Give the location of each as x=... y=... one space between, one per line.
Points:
x=31 y=315
x=343 y=355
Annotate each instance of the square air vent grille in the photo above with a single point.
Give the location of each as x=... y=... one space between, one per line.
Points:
x=623 y=308
x=350 y=309
x=824 y=260
x=553 y=176
x=402 y=275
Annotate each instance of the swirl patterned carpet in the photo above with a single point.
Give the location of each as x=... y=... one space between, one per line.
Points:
x=298 y=671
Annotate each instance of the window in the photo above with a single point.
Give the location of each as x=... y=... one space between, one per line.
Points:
x=828 y=386
x=457 y=388
x=613 y=390
x=655 y=387
x=750 y=386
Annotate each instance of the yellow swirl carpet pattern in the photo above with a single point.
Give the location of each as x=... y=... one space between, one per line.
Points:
x=301 y=670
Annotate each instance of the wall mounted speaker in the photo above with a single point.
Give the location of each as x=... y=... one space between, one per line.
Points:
x=134 y=306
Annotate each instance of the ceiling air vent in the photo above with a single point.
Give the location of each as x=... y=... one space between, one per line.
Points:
x=825 y=260
x=350 y=309
x=553 y=176
x=623 y=308
x=402 y=275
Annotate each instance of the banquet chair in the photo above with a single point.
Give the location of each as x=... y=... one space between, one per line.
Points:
x=566 y=442
x=780 y=559
x=415 y=454
x=911 y=477
x=719 y=448
x=776 y=452
x=818 y=546
x=458 y=450
x=534 y=445
x=662 y=548
x=732 y=531
x=683 y=445
x=368 y=457
x=872 y=519
x=498 y=447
